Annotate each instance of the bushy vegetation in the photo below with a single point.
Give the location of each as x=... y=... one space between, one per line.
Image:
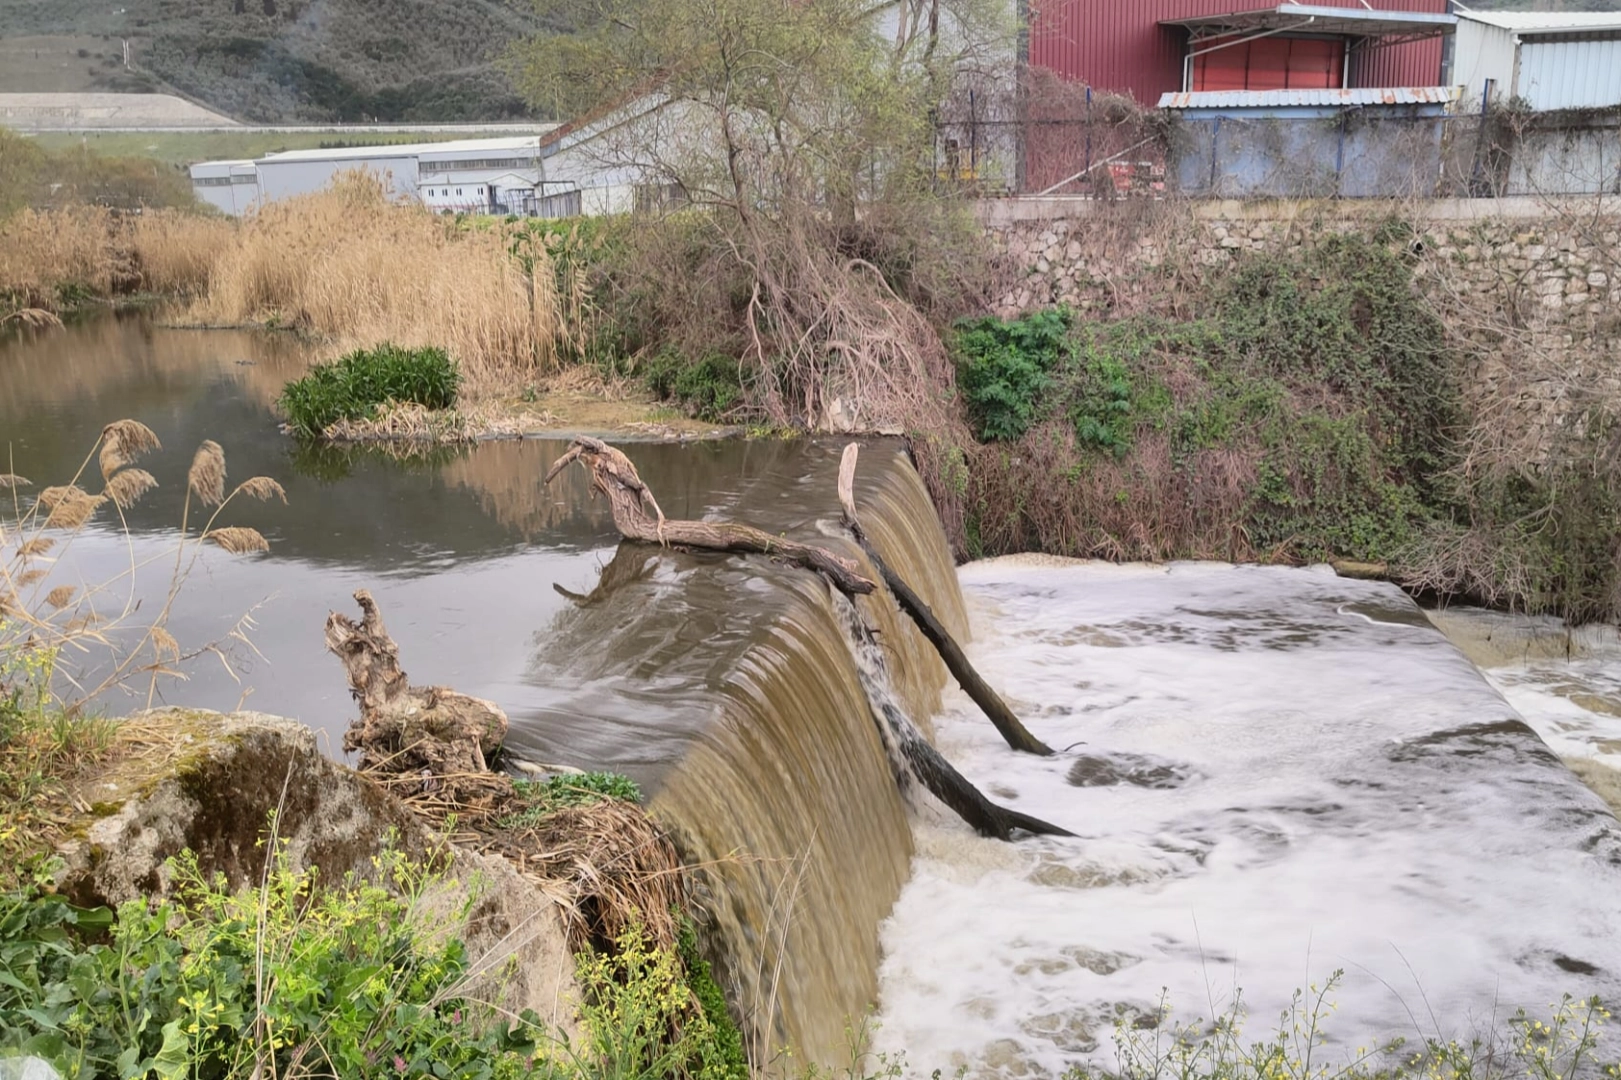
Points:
x=353 y=387
x=709 y=388
x=1307 y=413
x=32 y=176
x=1004 y=368
x=290 y=979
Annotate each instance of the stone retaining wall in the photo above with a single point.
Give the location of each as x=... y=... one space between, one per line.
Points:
x=1534 y=284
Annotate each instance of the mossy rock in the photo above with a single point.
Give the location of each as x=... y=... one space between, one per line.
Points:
x=184 y=779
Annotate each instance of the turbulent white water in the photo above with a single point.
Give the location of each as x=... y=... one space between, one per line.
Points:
x=1275 y=774
x=1566 y=683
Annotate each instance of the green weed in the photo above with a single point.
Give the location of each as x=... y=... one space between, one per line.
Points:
x=1004 y=367
x=544 y=797
x=353 y=387
x=287 y=980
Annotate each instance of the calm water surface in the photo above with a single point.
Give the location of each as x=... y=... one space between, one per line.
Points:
x=464 y=549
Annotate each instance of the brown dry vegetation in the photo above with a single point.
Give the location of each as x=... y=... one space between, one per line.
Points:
x=350 y=267
x=50 y=258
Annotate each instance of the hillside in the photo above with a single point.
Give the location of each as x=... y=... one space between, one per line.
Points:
x=271 y=61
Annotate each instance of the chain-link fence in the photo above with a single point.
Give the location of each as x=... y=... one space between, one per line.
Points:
x=1353 y=153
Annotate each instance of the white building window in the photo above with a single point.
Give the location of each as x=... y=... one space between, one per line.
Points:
x=458 y=191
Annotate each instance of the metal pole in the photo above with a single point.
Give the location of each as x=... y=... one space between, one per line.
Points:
x=1089 y=132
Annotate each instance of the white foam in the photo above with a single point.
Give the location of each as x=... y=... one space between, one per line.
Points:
x=1339 y=789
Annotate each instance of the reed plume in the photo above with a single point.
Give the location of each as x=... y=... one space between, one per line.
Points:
x=207 y=476
x=238 y=539
x=126 y=488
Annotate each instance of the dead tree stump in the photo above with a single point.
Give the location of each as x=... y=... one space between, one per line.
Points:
x=431 y=737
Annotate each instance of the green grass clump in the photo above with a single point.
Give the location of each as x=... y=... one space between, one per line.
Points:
x=352 y=388
x=544 y=797
x=40 y=745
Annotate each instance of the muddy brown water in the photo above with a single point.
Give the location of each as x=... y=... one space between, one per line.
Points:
x=722 y=684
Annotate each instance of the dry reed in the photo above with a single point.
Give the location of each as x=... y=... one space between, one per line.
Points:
x=37 y=537
x=352 y=267
x=104 y=253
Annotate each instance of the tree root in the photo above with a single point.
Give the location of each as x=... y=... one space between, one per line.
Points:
x=432 y=732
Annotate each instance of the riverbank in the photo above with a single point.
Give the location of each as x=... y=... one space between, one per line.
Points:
x=375 y=931
x=1165 y=384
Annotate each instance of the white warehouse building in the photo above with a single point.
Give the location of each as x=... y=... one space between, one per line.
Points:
x=1548 y=59
x=485 y=176
x=231 y=186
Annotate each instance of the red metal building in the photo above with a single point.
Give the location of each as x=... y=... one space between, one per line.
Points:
x=1135 y=46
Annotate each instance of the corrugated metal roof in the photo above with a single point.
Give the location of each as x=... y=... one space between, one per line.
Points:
x=402 y=150
x=1123 y=45
x=1262 y=99
x=1320 y=19
x=1547 y=22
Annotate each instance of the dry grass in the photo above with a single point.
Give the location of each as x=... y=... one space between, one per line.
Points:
x=42 y=619
x=105 y=253
x=349 y=266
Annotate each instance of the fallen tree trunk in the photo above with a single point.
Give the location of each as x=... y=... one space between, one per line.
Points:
x=989 y=701
x=613 y=474
x=615 y=477
x=927 y=764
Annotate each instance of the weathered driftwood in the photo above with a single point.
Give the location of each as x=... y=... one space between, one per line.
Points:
x=615 y=477
x=433 y=732
x=1016 y=734
x=613 y=474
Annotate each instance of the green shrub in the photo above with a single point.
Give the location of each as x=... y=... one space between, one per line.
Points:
x=709 y=388
x=1003 y=369
x=352 y=388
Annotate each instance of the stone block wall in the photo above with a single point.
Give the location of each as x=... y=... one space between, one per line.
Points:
x=1531 y=289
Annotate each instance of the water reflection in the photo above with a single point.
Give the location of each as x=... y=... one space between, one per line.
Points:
x=722 y=684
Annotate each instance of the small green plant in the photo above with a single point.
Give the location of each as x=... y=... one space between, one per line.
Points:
x=1003 y=368
x=638 y=1017
x=543 y=797
x=353 y=387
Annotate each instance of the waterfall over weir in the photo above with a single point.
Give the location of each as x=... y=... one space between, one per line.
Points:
x=726 y=685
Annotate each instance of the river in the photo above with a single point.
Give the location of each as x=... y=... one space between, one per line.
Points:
x=1274 y=774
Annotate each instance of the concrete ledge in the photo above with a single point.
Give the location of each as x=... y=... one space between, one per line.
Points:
x=1015 y=210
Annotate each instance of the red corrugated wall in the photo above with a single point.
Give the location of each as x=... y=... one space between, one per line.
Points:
x=1119 y=44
